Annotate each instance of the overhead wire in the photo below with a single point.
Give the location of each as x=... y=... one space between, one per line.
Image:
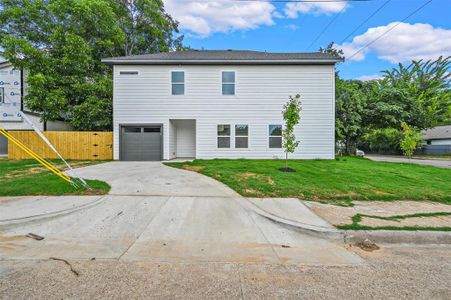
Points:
x=388 y=30
x=365 y=21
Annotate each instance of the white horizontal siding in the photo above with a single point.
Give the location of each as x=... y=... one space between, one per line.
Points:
x=261 y=92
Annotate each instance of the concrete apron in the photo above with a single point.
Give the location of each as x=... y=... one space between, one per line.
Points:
x=170 y=229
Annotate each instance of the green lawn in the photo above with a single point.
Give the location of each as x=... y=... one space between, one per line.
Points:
x=344 y=179
x=28 y=177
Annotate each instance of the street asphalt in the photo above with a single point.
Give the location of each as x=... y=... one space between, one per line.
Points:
x=441 y=163
x=395 y=272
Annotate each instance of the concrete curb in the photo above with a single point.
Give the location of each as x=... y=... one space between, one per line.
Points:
x=356 y=236
x=40 y=217
x=397 y=237
x=315 y=230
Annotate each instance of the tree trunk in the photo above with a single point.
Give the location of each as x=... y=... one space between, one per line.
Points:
x=350 y=147
x=286 y=160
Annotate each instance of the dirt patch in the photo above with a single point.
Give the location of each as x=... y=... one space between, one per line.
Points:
x=432 y=221
x=270 y=181
x=20 y=173
x=340 y=215
x=252 y=192
x=350 y=194
x=380 y=193
x=247 y=175
x=367 y=245
x=193 y=168
x=11 y=238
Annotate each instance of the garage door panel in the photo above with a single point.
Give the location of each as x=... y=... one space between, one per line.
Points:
x=141 y=143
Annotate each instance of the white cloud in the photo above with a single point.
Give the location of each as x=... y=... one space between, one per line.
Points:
x=293 y=27
x=316 y=7
x=207 y=17
x=404 y=43
x=369 y=77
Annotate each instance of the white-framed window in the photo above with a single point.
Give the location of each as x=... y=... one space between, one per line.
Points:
x=178 y=82
x=228 y=83
x=241 y=136
x=275 y=136
x=224 y=136
x=2 y=95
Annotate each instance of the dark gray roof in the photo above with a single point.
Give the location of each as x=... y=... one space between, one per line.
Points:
x=437 y=133
x=225 y=57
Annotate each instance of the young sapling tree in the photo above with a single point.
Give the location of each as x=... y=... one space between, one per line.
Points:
x=291 y=116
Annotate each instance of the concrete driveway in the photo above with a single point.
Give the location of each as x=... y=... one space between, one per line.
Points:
x=156 y=213
x=154 y=179
x=441 y=163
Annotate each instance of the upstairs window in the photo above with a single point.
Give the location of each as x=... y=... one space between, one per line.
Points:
x=223 y=136
x=275 y=136
x=178 y=82
x=228 y=83
x=241 y=136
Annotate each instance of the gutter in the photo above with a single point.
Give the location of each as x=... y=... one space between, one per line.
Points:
x=221 y=62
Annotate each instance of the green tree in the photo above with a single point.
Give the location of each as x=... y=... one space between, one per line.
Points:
x=291 y=116
x=351 y=110
x=410 y=140
x=331 y=49
x=61 y=44
x=147 y=27
x=417 y=94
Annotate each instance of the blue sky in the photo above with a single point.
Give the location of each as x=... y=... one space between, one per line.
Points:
x=292 y=27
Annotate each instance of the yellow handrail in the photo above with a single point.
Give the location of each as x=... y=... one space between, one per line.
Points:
x=40 y=159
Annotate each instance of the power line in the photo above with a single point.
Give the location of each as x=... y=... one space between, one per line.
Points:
x=366 y=20
x=390 y=29
x=302 y=1
x=326 y=27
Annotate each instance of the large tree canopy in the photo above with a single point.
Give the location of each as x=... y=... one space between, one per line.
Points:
x=61 y=43
x=372 y=114
x=417 y=94
x=147 y=27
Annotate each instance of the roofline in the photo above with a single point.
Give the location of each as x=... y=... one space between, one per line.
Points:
x=5 y=64
x=437 y=138
x=114 y=61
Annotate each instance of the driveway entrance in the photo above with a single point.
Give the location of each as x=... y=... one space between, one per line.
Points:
x=154 y=179
x=157 y=213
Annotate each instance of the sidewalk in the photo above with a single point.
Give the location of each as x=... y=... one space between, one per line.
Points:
x=27 y=208
x=338 y=215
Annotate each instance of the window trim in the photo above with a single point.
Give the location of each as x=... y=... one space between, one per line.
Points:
x=223 y=136
x=171 y=83
x=269 y=136
x=241 y=136
x=234 y=83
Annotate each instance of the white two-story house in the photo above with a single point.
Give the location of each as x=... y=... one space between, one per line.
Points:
x=221 y=104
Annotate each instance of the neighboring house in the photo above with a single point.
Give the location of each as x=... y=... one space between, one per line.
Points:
x=12 y=90
x=221 y=104
x=438 y=140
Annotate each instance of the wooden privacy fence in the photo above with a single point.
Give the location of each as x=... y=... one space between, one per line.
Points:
x=78 y=145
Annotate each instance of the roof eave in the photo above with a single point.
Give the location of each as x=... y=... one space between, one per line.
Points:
x=221 y=62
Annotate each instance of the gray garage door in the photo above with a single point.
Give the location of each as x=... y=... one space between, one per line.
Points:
x=141 y=143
